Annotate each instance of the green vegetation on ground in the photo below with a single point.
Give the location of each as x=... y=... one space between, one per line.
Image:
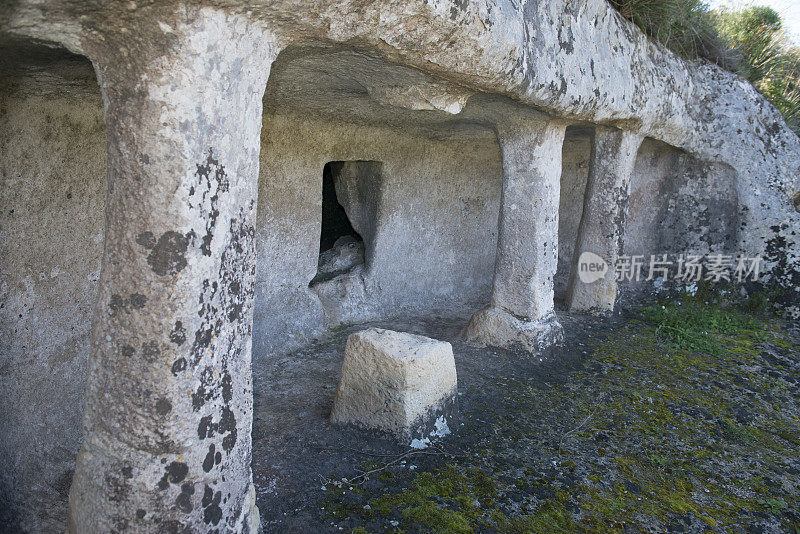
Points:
x=691 y=324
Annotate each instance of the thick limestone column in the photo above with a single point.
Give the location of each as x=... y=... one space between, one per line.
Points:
x=521 y=309
x=603 y=221
x=168 y=408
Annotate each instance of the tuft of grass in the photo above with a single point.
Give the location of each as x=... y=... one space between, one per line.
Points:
x=773 y=506
x=751 y=42
x=687 y=27
x=697 y=326
x=770 y=61
x=550 y=517
x=735 y=432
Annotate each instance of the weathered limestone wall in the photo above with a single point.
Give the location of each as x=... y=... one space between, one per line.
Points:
x=575 y=58
x=435 y=236
x=52 y=194
x=679 y=205
x=574 y=174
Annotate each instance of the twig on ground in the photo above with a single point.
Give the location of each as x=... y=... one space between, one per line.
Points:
x=364 y=476
x=561 y=441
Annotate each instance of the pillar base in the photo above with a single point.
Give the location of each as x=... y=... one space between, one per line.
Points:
x=251 y=517
x=498 y=328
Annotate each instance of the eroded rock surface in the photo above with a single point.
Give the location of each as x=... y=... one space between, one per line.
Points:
x=395 y=382
x=346 y=253
x=416 y=99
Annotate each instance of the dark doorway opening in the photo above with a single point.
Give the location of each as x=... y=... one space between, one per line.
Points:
x=335 y=223
x=341 y=248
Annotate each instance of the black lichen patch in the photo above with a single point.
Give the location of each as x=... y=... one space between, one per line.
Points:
x=206 y=428
x=163 y=406
x=781 y=289
x=622 y=199
x=184 y=500
x=212 y=513
x=178 y=366
x=207 y=388
x=116 y=487
x=208 y=462
x=459 y=6
x=213 y=458
x=178 y=334
x=174 y=473
x=147 y=240
x=167 y=253
x=227 y=388
x=237 y=305
x=231 y=297
x=137 y=301
x=226 y=426
x=211 y=181
x=117 y=303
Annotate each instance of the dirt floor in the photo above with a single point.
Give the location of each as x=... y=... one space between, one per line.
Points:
x=673 y=419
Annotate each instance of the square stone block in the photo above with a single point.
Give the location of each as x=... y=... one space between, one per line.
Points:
x=396 y=382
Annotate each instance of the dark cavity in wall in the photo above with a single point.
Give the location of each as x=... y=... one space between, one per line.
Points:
x=341 y=247
x=335 y=223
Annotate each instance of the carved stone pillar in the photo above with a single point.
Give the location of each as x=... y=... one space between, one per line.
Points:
x=168 y=408
x=521 y=309
x=602 y=224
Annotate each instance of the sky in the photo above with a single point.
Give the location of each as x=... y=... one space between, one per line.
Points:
x=788 y=9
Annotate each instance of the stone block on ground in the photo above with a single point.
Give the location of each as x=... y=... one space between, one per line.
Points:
x=398 y=383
